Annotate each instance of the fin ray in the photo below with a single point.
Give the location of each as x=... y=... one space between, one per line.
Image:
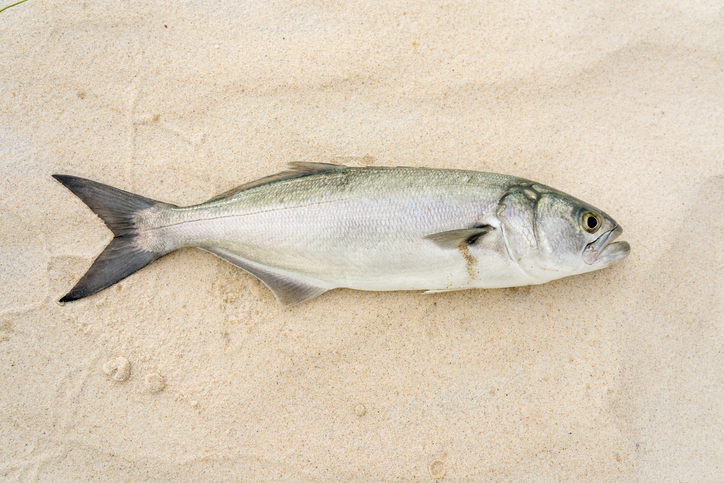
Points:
x=122 y=257
x=456 y=238
x=287 y=290
x=116 y=262
x=297 y=170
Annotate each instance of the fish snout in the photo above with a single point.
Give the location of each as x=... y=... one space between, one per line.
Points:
x=604 y=251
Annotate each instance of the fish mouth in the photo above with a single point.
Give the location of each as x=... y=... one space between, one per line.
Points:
x=603 y=251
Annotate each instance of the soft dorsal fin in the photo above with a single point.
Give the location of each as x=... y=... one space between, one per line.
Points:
x=458 y=238
x=297 y=169
x=287 y=290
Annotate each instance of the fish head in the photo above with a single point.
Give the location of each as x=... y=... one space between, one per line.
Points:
x=553 y=235
x=575 y=237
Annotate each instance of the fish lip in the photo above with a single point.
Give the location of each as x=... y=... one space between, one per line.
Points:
x=603 y=250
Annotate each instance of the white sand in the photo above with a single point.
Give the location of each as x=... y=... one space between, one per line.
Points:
x=616 y=375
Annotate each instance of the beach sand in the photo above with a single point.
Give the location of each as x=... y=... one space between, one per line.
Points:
x=189 y=371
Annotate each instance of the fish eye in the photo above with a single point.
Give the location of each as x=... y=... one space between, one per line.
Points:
x=590 y=221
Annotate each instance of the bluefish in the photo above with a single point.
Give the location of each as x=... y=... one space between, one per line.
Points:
x=316 y=227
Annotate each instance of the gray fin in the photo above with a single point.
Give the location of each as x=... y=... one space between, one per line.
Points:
x=286 y=289
x=298 y=170
x=121 y=258
x=315 y=168
x=457 y=238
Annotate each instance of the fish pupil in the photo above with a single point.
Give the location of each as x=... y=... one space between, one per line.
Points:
x=592 y=222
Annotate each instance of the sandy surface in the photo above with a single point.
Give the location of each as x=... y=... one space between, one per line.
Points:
x=616 y=375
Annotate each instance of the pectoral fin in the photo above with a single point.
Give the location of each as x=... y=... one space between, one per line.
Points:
x=458 y=238
x=287 y=290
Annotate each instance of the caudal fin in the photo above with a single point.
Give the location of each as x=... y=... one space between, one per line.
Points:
x=122 y=256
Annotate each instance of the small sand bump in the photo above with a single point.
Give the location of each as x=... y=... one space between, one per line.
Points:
x=154 y=382
x=437 y=469
x=360 y=410
x=119 y=369
x=149 y=118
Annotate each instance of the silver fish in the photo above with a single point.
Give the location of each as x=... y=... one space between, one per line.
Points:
x=317 y=227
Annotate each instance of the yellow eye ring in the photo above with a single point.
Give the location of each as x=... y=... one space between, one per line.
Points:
x=590 y=221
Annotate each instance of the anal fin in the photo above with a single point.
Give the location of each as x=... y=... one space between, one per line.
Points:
x=287 y=290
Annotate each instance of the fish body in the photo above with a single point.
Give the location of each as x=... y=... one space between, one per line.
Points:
x=319 y=226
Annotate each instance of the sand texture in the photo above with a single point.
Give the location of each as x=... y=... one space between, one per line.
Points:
x=189 y=371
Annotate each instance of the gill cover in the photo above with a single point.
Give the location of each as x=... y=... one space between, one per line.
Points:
x=516 y=214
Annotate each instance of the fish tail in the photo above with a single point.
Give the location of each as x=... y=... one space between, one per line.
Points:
x=125 y=254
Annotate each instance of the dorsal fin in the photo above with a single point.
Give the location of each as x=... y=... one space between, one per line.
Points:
x=297 y=169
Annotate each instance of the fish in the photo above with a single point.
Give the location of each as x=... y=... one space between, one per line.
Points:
x=319 y=226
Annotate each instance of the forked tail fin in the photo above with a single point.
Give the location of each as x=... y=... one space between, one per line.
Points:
x=122 y=256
